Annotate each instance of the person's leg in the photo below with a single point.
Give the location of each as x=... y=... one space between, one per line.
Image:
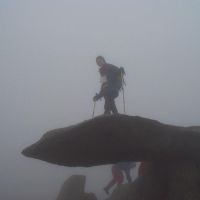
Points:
x=113 y=94
x=113 y=106
x=128 y=176
x=117 y=178
x=109 y=186
x=117 y=175
x=107 y=105
x=112 y=182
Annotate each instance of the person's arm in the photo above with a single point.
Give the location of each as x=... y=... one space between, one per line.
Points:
x=99 y=95
x=103 y=73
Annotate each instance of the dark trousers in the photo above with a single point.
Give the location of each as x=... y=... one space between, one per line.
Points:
x=109 y=106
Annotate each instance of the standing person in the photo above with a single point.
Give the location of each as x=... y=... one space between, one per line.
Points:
x=117 y=173
x=111 y=80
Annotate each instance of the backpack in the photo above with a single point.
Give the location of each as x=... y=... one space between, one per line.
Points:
x=115 y=77
x=120 y=79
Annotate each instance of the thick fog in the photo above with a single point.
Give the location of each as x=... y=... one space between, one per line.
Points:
x=48 y=76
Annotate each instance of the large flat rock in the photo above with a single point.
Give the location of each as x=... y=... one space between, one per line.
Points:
x=116 y=138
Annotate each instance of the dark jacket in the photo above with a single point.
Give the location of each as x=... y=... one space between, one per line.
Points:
x=113 y=84
x=112 y=73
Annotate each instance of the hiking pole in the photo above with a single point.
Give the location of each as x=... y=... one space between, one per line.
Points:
x=123 y=83
x=124 y=100
x=93 y=109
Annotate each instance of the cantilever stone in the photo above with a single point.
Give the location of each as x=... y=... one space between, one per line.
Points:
x=109 y=139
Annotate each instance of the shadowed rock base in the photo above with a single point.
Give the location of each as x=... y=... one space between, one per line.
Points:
x=164 y=181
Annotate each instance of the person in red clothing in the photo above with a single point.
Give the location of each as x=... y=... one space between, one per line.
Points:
x=111 y=83
x=117 y=173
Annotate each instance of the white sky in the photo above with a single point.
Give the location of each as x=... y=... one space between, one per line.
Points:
x=48 y=75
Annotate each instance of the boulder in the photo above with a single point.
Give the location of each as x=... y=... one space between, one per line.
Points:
x=116 y=138
x=73 y=189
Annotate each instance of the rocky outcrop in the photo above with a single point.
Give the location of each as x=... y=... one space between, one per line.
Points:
x=116 y=138
x=177 y=180
x=73 y=189
x=164 y=181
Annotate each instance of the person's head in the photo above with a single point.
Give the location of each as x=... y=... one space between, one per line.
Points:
x=100 y=61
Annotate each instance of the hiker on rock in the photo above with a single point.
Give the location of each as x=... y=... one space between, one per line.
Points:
x=111 y=83
x=117 y=173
